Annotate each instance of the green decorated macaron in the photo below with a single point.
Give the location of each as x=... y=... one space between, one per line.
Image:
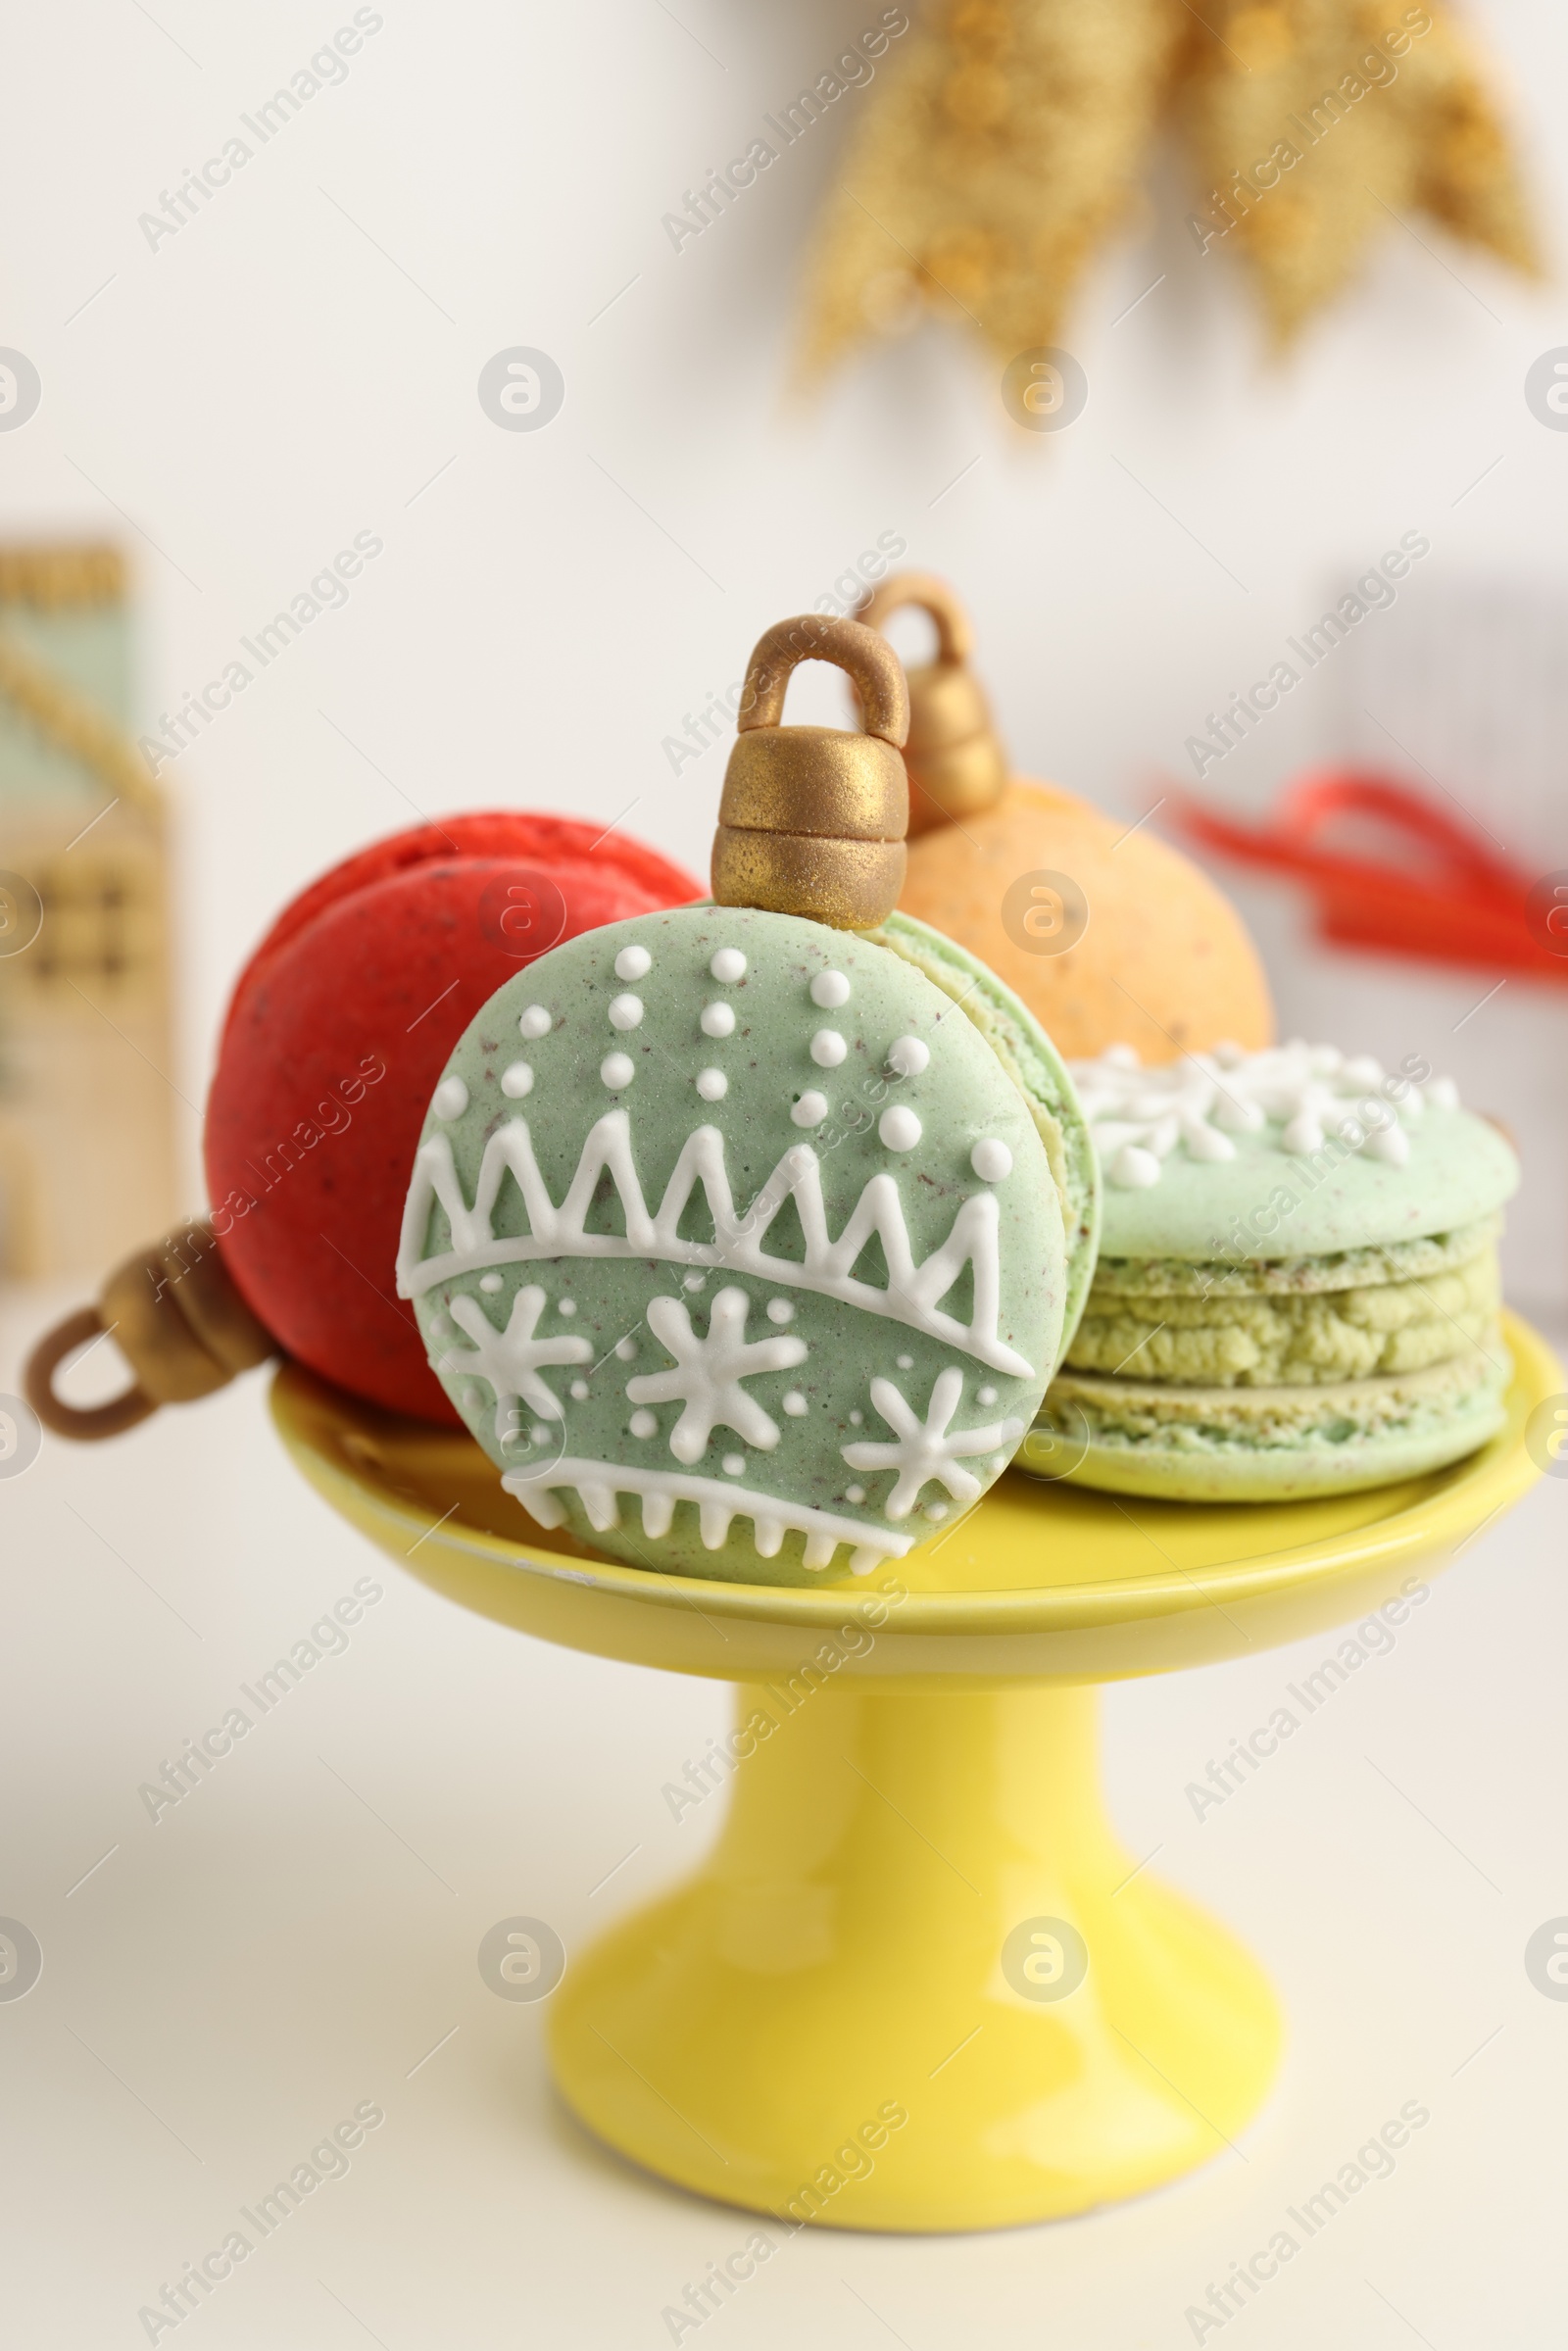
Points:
x=1297 y=1288
x=747 y=1247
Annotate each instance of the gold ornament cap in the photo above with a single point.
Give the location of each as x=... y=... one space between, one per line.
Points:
x=812 y=818
x=956 y=766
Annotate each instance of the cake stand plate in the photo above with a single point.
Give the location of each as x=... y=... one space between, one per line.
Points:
x=918 y=1983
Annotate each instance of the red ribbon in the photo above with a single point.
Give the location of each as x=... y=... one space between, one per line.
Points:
x=1436 y=890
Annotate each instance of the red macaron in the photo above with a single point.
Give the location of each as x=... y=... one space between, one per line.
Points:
x=340 y=1026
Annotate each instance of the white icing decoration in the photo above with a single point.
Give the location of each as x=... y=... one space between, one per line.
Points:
x=626 y=1350
x=1391 y=1143
x=579 y=1391
x=617 y=1071
x=450 y=1099
x=535 y=1022
x=597 y=1484
x=568 y=1306
x=713 y=1085
x=779 y=1309
x=625 y=1012
x=829 y=990
x=1138 y=1117
x=924 y=1449
x=509 y=1361
x=717 y=1020
x=855 y=1493
x=1134 y=1170
x=794 y=1405
x=857 y=1420
x=729 y=965
x=707 y=1373
x=906 y=1363
x=899 y=1128
x=986 y=1395
x=490 y=1282
x=645 y=1424
x=911 y=1297
x=633 y=963
x=829 y=1048
x=810 y=1110
x=910 y=1056
x=516 y=1080
x=935 y=1512
x=734 y=1465
x=991 y=1160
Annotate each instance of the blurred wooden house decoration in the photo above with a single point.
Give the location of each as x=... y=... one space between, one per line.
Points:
x=87 y=1145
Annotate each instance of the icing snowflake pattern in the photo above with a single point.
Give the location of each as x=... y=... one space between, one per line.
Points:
x=510 y=1360
x=1139 y=1116
x=928 y=1449
x=707 y=1373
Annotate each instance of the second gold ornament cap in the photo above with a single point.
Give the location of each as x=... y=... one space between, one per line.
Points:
x=956 y=766
x=812 y=818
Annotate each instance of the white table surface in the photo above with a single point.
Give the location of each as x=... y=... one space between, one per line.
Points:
x=222 y=1988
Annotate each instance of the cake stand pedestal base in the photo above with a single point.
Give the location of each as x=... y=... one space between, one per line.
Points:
x=919 y=1985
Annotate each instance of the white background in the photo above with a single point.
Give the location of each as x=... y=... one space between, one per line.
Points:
x=300 y=364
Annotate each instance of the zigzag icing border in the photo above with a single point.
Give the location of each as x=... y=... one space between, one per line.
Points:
x=597 y=1484
x=910 y=1296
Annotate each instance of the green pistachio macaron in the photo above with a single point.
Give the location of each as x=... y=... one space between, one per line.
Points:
x=747 y=1247
x=1297 y=1289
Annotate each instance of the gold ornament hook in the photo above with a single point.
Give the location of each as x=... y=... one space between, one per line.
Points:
x=812 y=818
x=955 y=763
x=178 y=1319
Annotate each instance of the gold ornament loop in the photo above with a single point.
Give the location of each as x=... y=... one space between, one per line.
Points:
x=930 y=595
x=812 y=818
x=870 y=661
x=957 y=765
x=178 y=1319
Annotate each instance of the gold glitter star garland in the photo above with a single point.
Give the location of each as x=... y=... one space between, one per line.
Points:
x=1011 y=136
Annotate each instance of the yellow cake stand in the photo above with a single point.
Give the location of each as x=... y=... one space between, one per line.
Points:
x=918 y=1984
